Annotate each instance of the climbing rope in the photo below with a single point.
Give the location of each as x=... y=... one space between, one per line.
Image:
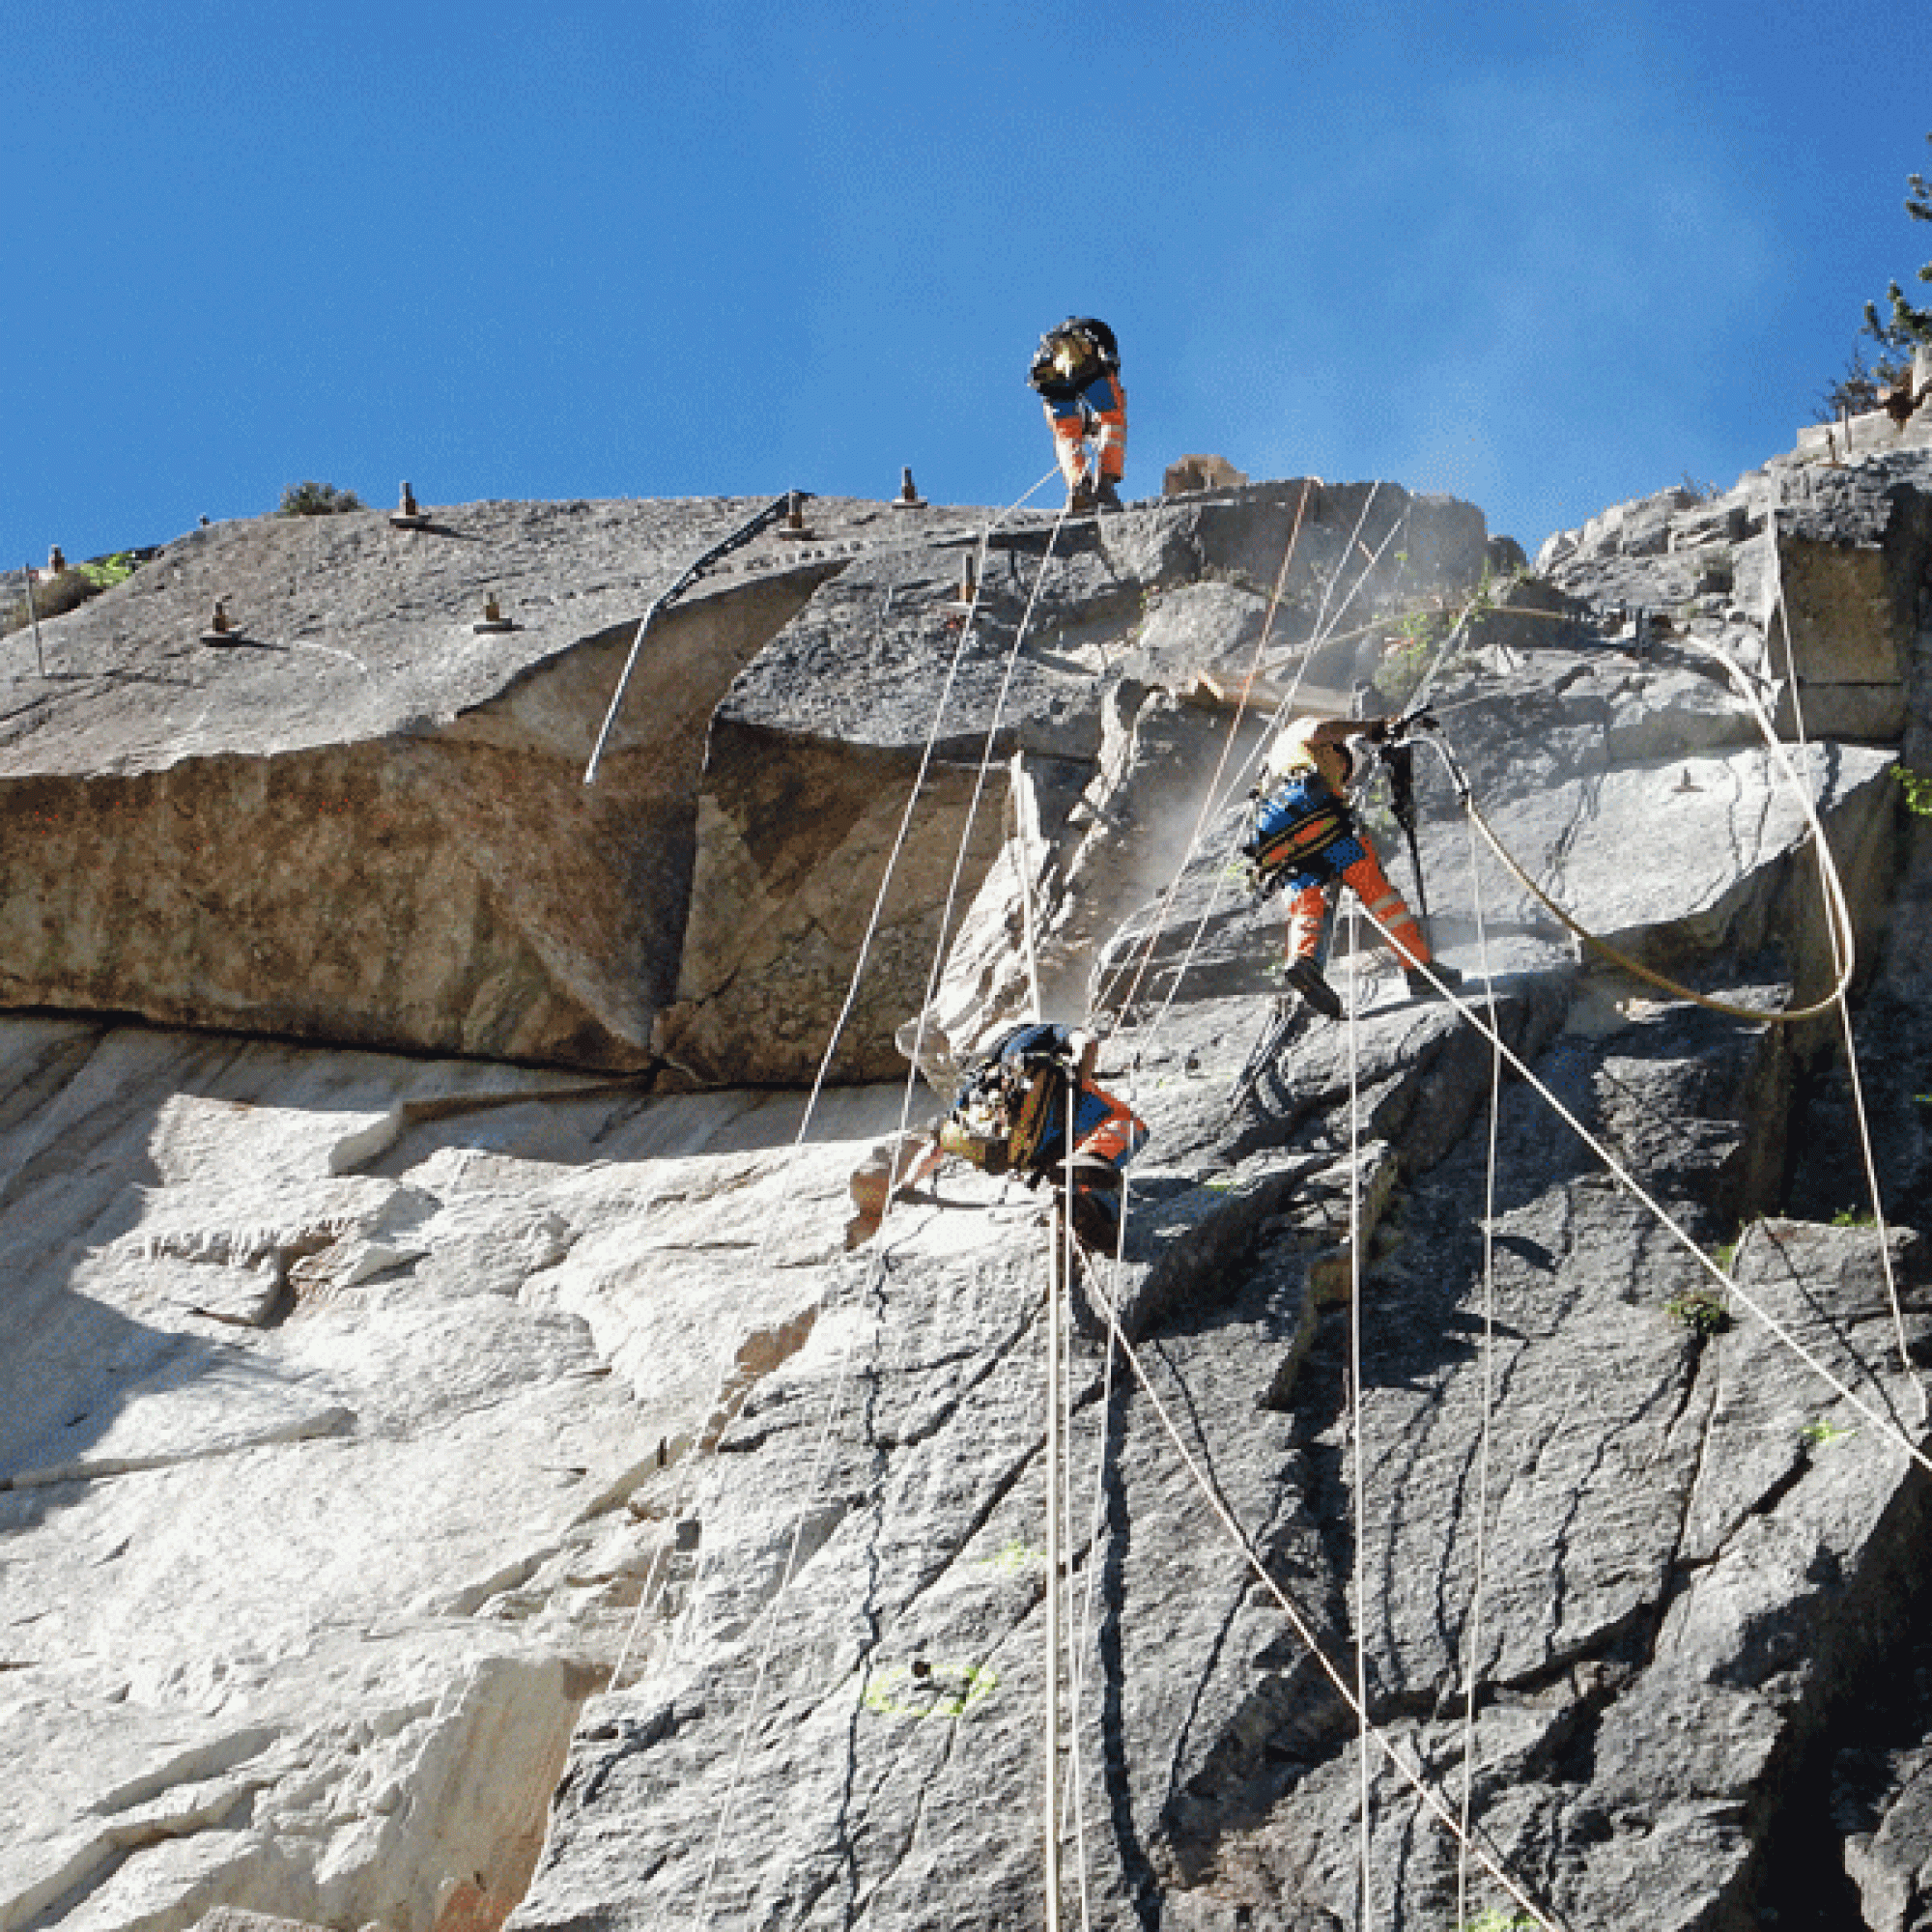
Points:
x=1868 y=1155
x=1471 y=1652
x=1057 y=1277
x=1209 y=794
x=1785 y=1016
x=655 y=1576
x=835 y=1401
x=672 y=592
x=1668 y=1222
x=1359 y=1441
x=1310 y=1641
x=1214 y=807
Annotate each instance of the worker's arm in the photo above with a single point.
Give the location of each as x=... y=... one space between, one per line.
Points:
x=1332 y=730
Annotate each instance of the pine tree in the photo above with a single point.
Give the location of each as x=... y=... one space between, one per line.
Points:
x=1908 y=327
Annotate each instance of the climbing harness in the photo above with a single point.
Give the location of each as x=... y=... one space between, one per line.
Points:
x=684 y=578
x=1290 y=826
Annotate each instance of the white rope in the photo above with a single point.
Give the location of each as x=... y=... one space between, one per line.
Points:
x=1471 y=1647
x=1058 y=1269
x=835 y=1403
x=1211 y=790
x=1883 y=1233
x=1407 y=1774
x=937 y=971
x=1025 y=831
x=1675 y=1228
x=1359 y=1436
x=1240 y=778
x=1080 y=1639
x=1072 y=1805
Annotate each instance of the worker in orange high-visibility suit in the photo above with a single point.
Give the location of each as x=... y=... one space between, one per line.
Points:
x=1306 y=839
x=1077 y=371
x=1029 y=1106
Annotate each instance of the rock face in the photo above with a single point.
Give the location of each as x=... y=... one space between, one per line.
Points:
x=364 y=1412
x=889 y=709
x=364 y=822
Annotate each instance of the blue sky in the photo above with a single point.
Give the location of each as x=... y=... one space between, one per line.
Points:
x=1545 y=258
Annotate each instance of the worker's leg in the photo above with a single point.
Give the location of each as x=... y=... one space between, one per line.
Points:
x=1306 y=910
x=1069 y=423
x=1386 y=906
x=1106 y=1135
x=1107 y=401
x=1107 y=1129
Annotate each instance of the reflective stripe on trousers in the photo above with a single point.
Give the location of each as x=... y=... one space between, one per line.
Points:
x=1099 y=411
x=1116 y=1136
x=1366 y=879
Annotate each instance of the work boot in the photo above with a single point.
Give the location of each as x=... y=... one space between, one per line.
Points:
x=1305 y=976
x=1107 y=496
x=1096 y=1219
x=1081 y=499
x=1422 y=987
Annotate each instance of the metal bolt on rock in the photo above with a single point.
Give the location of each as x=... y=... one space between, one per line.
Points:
x=56 y=562
x=222 y=629
x=908 y=497
x=408 y=513
x=964 y=597
x=794 y=526
x=492 y=619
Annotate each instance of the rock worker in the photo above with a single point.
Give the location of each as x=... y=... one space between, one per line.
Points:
x=1077 y=371
x=1010 y=1116
x=1304 y=836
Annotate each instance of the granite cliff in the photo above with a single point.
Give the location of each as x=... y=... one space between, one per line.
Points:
x=427 y=1288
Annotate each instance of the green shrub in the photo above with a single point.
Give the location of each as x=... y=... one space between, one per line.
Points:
x=105 y=572
x=53 y=597
x=317 y=499
x=1917 y=789
x=1700 y=1311
x=1819 y=1435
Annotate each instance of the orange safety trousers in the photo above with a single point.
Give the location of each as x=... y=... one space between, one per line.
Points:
x=1099 y=412
x=1386 y=906
x=1120 y=1133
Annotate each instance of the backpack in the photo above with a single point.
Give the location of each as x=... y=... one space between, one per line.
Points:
x=1097 y=333
x=1099 y=352
x=1028 y=1071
